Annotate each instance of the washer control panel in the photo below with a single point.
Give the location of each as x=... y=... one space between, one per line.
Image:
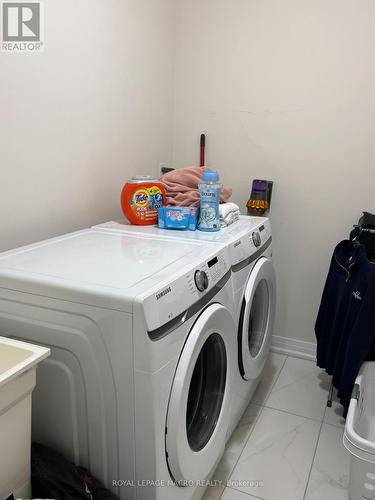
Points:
x=171 y=298
x=209 y=273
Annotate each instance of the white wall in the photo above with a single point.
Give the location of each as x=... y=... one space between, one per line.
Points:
x=79 y=119
x=285 y=90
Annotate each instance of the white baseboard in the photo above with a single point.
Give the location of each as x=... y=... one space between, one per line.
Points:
x=293 y=347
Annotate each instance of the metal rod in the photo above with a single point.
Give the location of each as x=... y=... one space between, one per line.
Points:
x=330 y=396
x=364 y=229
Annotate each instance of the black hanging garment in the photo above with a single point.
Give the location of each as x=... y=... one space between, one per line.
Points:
x=345 y=326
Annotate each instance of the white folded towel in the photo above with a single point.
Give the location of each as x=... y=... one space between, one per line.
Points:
x=232 y=217
x=229 y=213
x=227 y=208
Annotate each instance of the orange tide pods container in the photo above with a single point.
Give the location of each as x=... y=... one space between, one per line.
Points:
x=141 y=197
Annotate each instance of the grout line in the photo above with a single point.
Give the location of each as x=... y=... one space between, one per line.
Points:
x=246 y=441
x=273 y=384
x=244 y=492
x=313 y=460
x=262 y=406
x=286 y=411
x=221 y=494
x=335 y=425
x=294 y=414
x=253 y=425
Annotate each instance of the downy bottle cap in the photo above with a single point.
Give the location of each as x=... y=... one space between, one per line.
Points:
x=210 y=176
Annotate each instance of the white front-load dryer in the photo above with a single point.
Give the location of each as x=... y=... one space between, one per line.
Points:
x=249 y=242
x=254 y=288
x=139 y=385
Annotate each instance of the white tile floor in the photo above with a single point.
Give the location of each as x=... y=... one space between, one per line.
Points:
x=288 y=445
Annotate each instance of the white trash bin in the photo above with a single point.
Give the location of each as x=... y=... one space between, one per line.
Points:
x=18 y=362
x=359 y=435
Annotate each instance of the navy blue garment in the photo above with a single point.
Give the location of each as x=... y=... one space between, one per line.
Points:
x=345 y=326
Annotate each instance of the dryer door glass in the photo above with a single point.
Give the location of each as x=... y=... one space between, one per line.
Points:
x=206 y=392
x=259 y=312
x=200 y=400
x=256 y=319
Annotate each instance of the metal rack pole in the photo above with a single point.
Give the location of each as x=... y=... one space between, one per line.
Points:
x=330 y=396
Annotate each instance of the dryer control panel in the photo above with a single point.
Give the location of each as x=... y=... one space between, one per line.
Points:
x=251 y=242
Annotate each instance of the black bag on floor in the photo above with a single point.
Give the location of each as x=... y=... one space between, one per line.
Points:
x=52 y=476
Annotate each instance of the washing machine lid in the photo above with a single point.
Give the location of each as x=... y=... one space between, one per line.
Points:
x=226 y=235
x=95 y=267
x=123 y=226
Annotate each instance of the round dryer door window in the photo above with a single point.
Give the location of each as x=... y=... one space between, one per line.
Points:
x=199 y=405
x=256 y=319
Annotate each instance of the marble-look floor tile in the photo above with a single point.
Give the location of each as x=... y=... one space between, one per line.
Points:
x=278 y=456
x=329 y=477
x=239 y=437
x=226 y=466
x=236 y=443
x=333 y=415
x=231 y=494
x=213 y=493
x=301 y=389
x=269 y=376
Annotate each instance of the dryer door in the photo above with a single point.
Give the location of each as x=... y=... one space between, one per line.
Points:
x=199 y=405
x=256 y=319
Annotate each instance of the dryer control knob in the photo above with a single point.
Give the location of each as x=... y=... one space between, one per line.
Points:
x=201 y=280
x=257 y=239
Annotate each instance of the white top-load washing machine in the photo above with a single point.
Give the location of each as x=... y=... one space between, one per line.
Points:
x=139 y=384
x=249 y=242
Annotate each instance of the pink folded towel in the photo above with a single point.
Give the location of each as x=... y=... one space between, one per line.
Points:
x=182 y=187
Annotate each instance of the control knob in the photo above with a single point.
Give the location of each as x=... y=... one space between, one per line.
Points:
x=257 y=239
x=201 y=280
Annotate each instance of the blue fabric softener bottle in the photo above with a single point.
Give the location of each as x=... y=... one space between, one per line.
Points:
x=210 y=191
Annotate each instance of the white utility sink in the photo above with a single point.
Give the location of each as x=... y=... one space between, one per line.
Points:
x=18 y=362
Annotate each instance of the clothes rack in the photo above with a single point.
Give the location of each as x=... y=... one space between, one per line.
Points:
x=337 y=296
x=364 y=229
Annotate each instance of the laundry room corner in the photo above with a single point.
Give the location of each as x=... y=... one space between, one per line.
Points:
x=283 y=91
